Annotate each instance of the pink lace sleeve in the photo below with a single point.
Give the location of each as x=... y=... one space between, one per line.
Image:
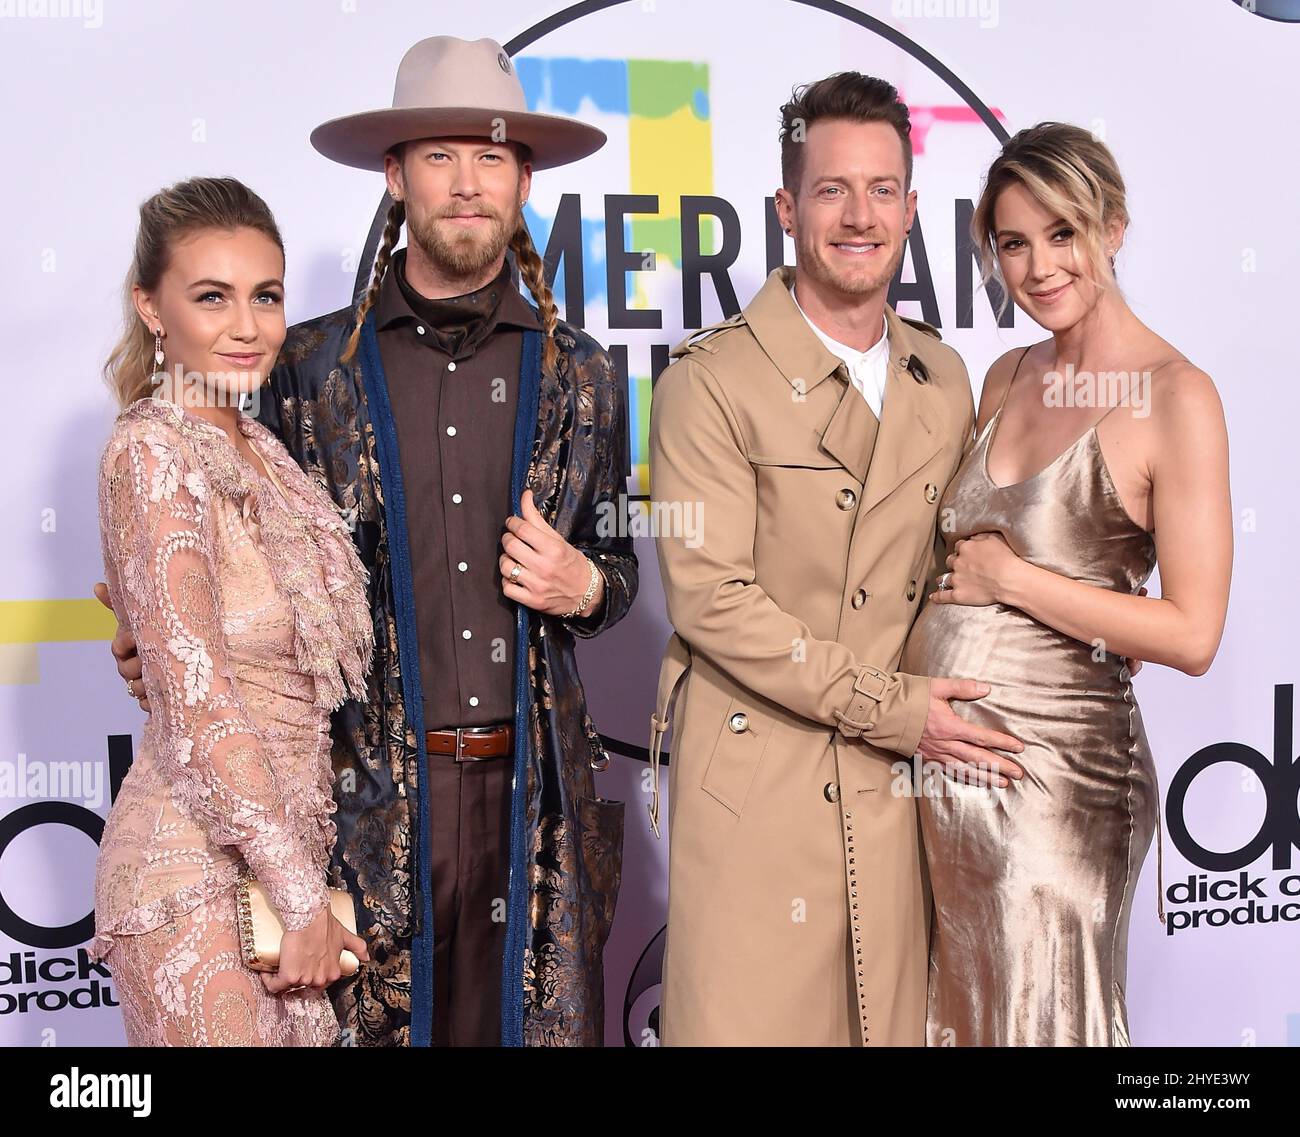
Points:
x=160 y=556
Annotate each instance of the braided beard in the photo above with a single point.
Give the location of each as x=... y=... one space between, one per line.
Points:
x=467 y=254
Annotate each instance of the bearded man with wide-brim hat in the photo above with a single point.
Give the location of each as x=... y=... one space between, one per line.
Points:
x=474 y=441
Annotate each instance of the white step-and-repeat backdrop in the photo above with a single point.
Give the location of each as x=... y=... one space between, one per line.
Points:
x=109 y=100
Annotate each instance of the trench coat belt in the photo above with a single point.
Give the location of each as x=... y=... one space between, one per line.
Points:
x=673 y=668
x=472 y=743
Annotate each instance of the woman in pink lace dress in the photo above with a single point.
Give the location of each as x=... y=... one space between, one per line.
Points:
x=242 y=588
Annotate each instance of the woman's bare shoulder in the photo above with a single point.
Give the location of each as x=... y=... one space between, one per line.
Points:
x=1184 y=400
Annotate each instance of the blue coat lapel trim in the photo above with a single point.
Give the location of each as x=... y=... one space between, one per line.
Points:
x=512 y=964
x=390 y=473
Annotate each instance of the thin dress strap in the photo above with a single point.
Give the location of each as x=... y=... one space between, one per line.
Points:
x=989 y=428
x=1013 y=378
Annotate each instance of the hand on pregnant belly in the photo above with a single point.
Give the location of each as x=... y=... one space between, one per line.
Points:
x=982 y=569
x=978 y=570
x=963 y=747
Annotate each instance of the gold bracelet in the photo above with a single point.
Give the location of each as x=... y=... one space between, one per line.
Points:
x=586 y=596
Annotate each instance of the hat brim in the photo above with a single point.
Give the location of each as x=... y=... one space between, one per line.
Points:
x=361 y=140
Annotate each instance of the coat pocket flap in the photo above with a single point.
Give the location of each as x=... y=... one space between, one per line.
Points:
x=742 y=740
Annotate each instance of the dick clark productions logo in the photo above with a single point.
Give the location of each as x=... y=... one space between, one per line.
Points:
x=1278 y=833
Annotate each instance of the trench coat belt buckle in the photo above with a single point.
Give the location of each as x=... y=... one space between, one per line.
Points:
x=472 y=743
x=868 y=689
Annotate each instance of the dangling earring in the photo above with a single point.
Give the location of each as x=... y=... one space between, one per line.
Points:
x=159 y=376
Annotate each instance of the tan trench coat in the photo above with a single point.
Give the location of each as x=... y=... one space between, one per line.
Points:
x=798 y=909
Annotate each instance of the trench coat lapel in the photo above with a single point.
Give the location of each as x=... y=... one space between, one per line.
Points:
x=908 y=436
x=850 y=436
x=806 y=362
x=878 y=453
x=786 y=338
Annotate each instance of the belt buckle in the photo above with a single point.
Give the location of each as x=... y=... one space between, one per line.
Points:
x=461 y=731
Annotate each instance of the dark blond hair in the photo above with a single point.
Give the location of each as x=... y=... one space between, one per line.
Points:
x=1068 y=172
x=531 y=271
x=170 y=215
x=847 y=95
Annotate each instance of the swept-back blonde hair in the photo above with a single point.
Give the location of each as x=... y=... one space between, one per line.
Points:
x=1068 y=172
x=169 y=216
x=531 y=271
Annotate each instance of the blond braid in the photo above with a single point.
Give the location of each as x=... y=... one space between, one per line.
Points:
x=392 y=227
x=534 y=274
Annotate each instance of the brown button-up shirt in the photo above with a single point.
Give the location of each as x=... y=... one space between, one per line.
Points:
x=452 y=367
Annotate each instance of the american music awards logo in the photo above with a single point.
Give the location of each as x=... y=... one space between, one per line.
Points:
x=650 y=238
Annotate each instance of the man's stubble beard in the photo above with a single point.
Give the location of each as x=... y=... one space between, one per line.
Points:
x=469 y=253
x=813 y=261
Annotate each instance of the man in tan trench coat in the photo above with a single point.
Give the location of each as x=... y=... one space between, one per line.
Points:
x=798 y=908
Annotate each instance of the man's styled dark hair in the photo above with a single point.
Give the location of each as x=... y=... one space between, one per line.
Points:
x=846 y=95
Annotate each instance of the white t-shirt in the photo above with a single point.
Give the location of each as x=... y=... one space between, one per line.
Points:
x=868 y=370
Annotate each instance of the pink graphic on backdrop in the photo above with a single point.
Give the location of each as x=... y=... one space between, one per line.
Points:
x=924 y=117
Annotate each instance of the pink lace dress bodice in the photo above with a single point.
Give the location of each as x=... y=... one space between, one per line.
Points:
x=248 y=605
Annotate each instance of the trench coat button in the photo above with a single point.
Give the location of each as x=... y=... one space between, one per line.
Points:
x=911 y=590
x=931 y=492
x=738 y=722
x=859 y=598
x=846 y=499
x=831 y=792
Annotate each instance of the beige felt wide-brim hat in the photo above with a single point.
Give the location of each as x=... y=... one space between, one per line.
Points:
x=447 y=87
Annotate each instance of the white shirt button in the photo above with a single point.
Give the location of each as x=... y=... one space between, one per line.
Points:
x=465 y=634
x=455 y=498
x=462 y=566
x=419 y=329
x=451 y=366
x=451 y=431
x=473 y=700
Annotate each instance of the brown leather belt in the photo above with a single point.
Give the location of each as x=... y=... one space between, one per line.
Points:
x=472 y=743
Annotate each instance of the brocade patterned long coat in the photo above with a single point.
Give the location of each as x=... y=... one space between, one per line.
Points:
x=570 y=447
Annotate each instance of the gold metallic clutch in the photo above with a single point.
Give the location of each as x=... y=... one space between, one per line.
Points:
x=260 y=929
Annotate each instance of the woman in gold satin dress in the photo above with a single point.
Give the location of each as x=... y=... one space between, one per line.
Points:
x=1088 y=445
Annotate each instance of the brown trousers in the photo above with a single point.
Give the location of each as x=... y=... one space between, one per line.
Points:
x=469 y=815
